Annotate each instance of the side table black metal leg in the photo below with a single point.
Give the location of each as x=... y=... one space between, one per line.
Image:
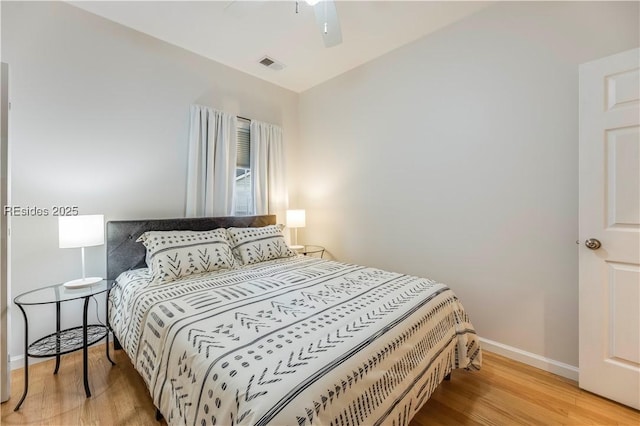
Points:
x=85 y=348
x=26 y=359
x=55 y=371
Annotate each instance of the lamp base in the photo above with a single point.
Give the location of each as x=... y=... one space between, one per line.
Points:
x=82 y=282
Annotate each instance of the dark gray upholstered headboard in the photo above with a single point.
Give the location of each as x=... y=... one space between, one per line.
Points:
x=124 y=253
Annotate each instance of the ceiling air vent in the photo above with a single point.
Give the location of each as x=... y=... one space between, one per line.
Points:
x=271 y=63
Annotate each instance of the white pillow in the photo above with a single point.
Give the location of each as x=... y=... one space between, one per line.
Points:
x=176 y=254
x=253 y=245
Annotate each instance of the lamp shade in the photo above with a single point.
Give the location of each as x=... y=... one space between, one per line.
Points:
x=80 y=231
x=296 y=219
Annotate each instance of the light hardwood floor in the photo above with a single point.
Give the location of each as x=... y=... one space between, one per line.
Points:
x=504 y=392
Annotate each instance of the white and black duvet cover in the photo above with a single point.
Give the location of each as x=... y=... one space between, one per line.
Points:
x=297 y=341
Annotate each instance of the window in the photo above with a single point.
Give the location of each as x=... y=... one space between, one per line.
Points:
x=243 y=198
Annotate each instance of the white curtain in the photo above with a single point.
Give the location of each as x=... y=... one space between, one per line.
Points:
x=268 y=177
x=212 y=162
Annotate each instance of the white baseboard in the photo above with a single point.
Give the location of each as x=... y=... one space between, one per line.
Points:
x=534 y=360
x=17 y=361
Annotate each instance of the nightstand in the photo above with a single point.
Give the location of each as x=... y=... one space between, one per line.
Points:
x=63 y=341
x=311 y=250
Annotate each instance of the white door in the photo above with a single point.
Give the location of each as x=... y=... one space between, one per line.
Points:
x=610 y=214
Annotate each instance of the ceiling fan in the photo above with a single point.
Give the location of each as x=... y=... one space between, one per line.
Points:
x=327 y=20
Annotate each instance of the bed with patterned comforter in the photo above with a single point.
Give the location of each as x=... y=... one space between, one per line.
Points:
x=294 y=341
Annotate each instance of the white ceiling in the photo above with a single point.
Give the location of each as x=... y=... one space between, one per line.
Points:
x=240 y=33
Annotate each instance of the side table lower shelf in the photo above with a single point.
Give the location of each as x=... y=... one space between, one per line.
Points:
x=66 y=341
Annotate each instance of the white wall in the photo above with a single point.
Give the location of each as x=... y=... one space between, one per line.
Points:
x=99 y=119
x=456 y=158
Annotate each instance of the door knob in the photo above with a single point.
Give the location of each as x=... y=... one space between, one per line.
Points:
x=592 y=244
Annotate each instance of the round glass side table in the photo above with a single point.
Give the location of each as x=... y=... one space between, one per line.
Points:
x=63 y=341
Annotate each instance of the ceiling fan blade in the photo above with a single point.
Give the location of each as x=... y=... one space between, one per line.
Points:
x=328 y=22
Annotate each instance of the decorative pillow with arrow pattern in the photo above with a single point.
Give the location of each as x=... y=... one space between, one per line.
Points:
x=175 y=254
x=253 y=245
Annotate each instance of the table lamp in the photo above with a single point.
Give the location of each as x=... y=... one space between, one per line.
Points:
x=81 y=231
x=295 y=220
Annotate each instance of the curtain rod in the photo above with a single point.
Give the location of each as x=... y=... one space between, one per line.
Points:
x=243 y=118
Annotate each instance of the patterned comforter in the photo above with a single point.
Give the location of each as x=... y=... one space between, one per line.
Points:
x=298 y=341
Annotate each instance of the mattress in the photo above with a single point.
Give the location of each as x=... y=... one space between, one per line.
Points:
x=297 y=341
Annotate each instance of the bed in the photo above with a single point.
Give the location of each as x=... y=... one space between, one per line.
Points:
x=289 y=340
